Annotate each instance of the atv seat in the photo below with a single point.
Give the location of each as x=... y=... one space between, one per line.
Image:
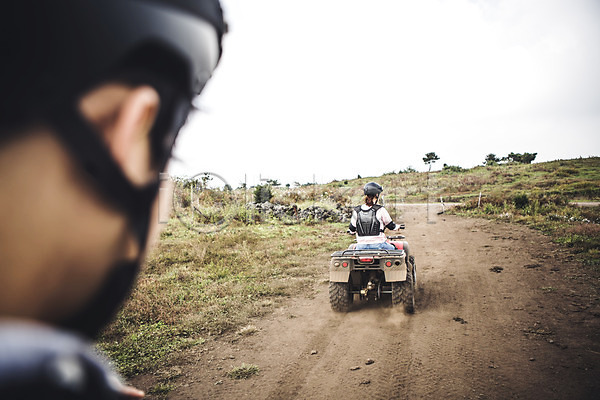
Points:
x=403 y=245
x=398 y=245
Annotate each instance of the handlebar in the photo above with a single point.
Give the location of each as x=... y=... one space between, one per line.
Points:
x=397 y=237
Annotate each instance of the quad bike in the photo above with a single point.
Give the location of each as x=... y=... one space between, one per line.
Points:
x=372 y=275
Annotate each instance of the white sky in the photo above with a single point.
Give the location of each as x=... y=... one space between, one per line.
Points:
x=338 y=88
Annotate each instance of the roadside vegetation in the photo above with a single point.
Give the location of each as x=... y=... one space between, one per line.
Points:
x=543 y=196
x=196 y=285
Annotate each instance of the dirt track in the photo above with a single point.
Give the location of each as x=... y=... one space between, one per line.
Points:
x=530 y=331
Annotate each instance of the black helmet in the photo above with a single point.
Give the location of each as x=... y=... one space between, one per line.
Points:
x=58 y=48
x=372 y=189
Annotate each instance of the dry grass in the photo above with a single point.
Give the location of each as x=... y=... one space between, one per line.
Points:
x=244 y=371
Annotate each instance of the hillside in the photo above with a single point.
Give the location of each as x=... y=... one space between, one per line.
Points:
x=577 y=179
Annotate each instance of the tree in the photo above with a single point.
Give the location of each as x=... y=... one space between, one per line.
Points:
x=491 y=159
x=430 y=158
x=525 y=158
x=262 y=193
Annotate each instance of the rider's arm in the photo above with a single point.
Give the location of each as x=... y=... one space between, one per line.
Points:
x=352 y=226
x=384 y=217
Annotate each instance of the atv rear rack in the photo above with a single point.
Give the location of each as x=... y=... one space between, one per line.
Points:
x=369 y=252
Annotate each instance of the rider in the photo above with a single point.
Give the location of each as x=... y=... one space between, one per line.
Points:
x=93 y=95
x=370 y=220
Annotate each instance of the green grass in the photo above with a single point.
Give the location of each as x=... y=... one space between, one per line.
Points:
x=146 y=347
x=161 y=390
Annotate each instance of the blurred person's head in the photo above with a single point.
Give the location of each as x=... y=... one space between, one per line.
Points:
x=93 y=96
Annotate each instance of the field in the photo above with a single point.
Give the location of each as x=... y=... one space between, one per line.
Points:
x=217 y=290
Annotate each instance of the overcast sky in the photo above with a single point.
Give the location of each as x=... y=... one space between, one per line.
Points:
x=338 y=88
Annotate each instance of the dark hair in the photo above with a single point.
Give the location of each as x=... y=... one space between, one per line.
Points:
x=370 y=199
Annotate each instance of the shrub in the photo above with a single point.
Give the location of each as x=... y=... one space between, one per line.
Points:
x=262 y=194
x=452 y=168
x=521 y=200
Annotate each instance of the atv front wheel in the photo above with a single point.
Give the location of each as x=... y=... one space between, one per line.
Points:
x=404 y=293
x=340 y=296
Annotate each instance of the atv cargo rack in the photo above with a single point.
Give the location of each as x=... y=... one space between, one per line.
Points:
x=369 y=252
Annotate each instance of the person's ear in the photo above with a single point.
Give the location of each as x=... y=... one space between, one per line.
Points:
x=124 y=117
x=128 y=137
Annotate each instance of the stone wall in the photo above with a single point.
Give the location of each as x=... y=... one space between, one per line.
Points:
x=291 y=212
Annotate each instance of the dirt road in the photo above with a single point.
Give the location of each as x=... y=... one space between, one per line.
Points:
x=501 y=313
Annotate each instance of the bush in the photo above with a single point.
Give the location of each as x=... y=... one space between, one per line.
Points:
x=521 y=200
x=262 y=194
x=452 y=168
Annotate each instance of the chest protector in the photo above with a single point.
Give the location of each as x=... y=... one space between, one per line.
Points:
x=367 y=223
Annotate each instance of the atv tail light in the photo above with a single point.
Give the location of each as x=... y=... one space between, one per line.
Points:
x=366 y=259
x=344 y=264
x=336 y=264
x=388 y=263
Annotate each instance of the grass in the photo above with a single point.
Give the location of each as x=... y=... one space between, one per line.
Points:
x=146 y=346
x=161 y=390
x=194 y=286
x=244 y=371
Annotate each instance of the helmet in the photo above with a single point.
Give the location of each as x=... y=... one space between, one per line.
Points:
x=372 y=189
x=62 y=48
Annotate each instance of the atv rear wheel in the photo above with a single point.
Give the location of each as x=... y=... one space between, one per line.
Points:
x=340 y=296
x=404 y=292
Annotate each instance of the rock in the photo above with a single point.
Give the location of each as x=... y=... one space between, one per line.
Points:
x=313 y=352
x=369 y=361
x=365 y=382
x=355 y=368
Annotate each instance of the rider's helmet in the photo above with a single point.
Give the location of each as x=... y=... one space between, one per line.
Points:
x=54 y=52
x=372 y=189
